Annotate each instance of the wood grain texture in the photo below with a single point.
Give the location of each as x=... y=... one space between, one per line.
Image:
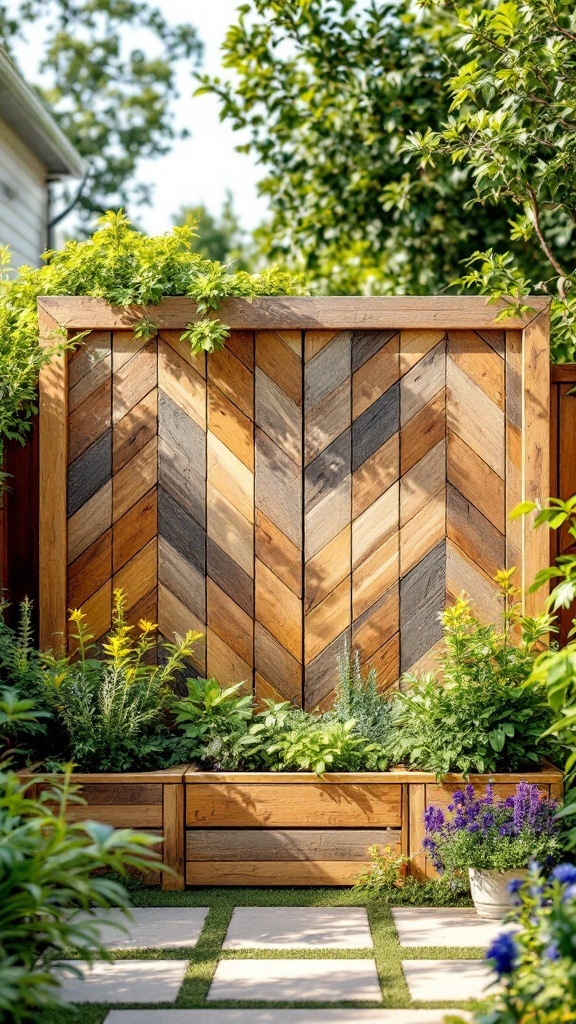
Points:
x=536 y=449
x=327 y=517
x=182 y=434
x=90 y=570
x=125 y=345
x=278 y=416
x=375 y=376
x=182 y=578
x=377 y=624
x=98 y=611
x=375 y=575
x=326 y=472
x=279 y=610
x=183 y=532
x=279 y=356
x=386 y=663
x=133 y=380
x=233 y=625
x=233 y=379
x=90 y=420
x=327 y=420
x=375 y=426
x=414 y=345
x=135 y=479
x=135 y=528
x=176 y=619
x=241 y=344
x=276 y=665
x=285 y=845
x=182 y=383
x=278 y=553
x=480 y=362
x=230 y=530
x=423 y=431
x=321 y=675
x=251 y=805
x=90 y=382
x=255 y=873
x=422 y=482
x=464 y=576
x=84 y=359
x=423 y=532
x=90 y=472
x=468 y=528
x=327 y=370
x=278 y=487
x=375 y=526
x=315 y=341
x=135 y=430
x=422 y=383
x=327 y=620
x=173 y=826
x=228 y=474
x=226 y=665
x=375 y=475
x=183 y=348
x=366 y=344
x=475 y=418
x=231 y=426
x=90 y=522
x=138 y=576
x=178 y=476
x=230 y=576
x=422 y=596
x=476 y=481
x=327 y=569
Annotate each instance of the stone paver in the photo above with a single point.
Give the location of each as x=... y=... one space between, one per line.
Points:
x=123 y=981
x=456 y=980
x=280 y=1016
x=150 y=927
x=323 y=981
x=459 y=926
x=299 y=928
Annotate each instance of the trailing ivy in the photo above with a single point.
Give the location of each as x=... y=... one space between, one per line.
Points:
x=127 y=269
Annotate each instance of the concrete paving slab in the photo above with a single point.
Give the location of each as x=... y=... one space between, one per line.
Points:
x=458 y=980
x=445 y=926
x=299 y=928
x=150 y=927
x=322 y=981
x=280 y=1016
x=123 y=981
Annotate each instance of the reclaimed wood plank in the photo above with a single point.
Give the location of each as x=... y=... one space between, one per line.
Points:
x=375 y=376
x=184 y=533
x=327 y=518
x=414 y=345
x=375 y=426
x=90 y=570
x=231 y=426
x=183 y=348
x=130 y=793
x=230 y=622
x=89 y=421
x=327 y=370
x=476 y=481
x=276 y=665
x=98 y=611
x=177 y=475
x=89 y=473
x=422 y=482
x=514 y=529
x=423 y=382
x=366 y=344
x=327 y=620
x=279 y=610
x=173 y=853
x=321 y=675
x=375 y=475
x=278 y=553
x=135 y=479
x=230 y=530
x=91 y=382
x=180 y=576
x=308 y=873
x=417 y=804
x=315 y=341
x=327 y=569
x=473 y=533
x=422 y=596
x=375 y=575
x=327 y=420
x=135 y=528
x=278 y=416
x=386 y=663
x=125 y=345
x=285 y=845
x=138 y=576
x=480 y=362
x=182 y=433
x=377 y=624
x=118 y=815
x=374 y=526
x=423 y=532
x=241 y=344
x=133 y=380
x=256 y=805
x=182 y=383
x=463 y=575
x=327 y=471
x=279 y=356
x=230 y=576
x=227 y=666
x=475 y=418
x=233 y=379
x=90 y=521
x=278 y=488
x=91 y=350
x=176 y=619
x=536 y=450
x=134 y=430
x=422 y=432
x=228 y=474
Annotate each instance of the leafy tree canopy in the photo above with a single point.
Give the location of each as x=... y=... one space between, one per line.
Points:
x=219 y=237
x=329 y=91
x=513 y=124
x=109 y=73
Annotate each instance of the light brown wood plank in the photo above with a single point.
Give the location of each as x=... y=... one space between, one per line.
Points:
x=173 y=847
x=276 y=667
x=278 y=416
x=182 y=578
x=118 y=815
x=279 y=610
x=90 y=570
x=90 y=522
x=113 y=792
x=227 y=666
x=90 y=382
x=375 y=376
x=414 y=345
x=536 y=449
x=375 y=575
x=125 y=345
x=463 y=575
x=276 y=873
x=378 y=624
x=197 y=360
x=422 y=383
x=417 y=806
x=374 y=526
x=281 y=361
x=231 y=426
x=134 y=430
x=475 y=418
x=95 y=347
x=89 y=421
x=135 y=479
x=278 y=553
x=241 y=344
x=230 y=529
x=139 y=575
x=252 y=805
x=135 y=528
x=291 y=844
x=326 y=421
x=229 y=475
x=328 y=518
x=480 y=362
x=133 y=380
x=476 y=481
x=423 y=532
x=327 y=620
x=230 y=622
x=386 y=663
x=422 y=432
x=422 y=482
x=233 y=379
x=278 y=488
x=328 y=568
x=174 y=617
x=315 y=341
x=182 y=383
x=468 y=528
x=375 y=475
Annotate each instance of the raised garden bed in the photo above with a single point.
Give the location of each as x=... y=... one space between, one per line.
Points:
x=148 y=801
x=245 y=828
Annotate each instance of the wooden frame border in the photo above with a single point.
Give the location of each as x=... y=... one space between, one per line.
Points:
x=78 y=313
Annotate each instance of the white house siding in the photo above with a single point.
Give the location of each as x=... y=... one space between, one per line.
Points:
x=23 y=199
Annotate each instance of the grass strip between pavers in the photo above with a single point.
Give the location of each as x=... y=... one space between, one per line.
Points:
x=204 y=957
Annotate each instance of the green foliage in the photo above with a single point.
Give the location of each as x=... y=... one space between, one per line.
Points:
x=358 y=697
x=22 y=710
x=485 y=717
x=538 y=983
x=323 y=745
x=48 y=869
x=214 y=722
x=112 y=709
x=127 y=269
x=109 y=72
x=327 y=93
x=512 y=125
x=387 y=880
x=19 y=719
x=220 y=238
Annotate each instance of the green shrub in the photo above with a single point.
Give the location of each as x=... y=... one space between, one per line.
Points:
x=386 y=878
x=485 y=716
x=47 y=870
x=23 y=712
x=113 y=709
x=214 y=723
x=358 y=697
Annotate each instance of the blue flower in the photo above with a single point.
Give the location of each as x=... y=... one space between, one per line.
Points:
x=570 y=893
x=565 y=873
x=503 y=954
x=514 y=885
x=552 y=952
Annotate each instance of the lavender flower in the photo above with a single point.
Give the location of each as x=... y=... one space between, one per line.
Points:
x=514 y=886
x=565 y=873
x=503 y=954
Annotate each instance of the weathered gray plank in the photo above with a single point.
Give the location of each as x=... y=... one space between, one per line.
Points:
x=274 y=663
x=278 y=487
x=249 y=844
x=321 y=675
x=90 y=472
x=376 y=424
x=327 y=420
x=181 y=578
x=278 y=416
x=422 y=382
x=422 y=596
x=229 y=576
x=182 y=434
x=366 y=343
x=179 y=478
x=327 y=471
x=327 y=370
x=182 y=531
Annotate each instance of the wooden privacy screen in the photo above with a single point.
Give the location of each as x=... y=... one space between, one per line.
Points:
x=338 y=472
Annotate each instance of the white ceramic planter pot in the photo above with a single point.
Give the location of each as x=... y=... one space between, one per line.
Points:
x=488 y=888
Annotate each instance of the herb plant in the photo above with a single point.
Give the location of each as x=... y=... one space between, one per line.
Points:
x=358 y=697
x=113 y=709
x=48 y=869
x=491 y=834
x=485 y=716
x=537 y=965
x=127 y=269
x=214 y=722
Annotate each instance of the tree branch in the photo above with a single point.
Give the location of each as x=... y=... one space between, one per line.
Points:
x=544 y=244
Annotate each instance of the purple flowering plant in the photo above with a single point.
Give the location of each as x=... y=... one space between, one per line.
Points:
x=485 y=832
x=537 y=965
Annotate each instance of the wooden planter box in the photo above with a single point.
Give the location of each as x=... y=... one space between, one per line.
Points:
x=245 y=828
x=147 y=801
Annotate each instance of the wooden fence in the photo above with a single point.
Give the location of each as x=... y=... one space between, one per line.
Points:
x=338 y=472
